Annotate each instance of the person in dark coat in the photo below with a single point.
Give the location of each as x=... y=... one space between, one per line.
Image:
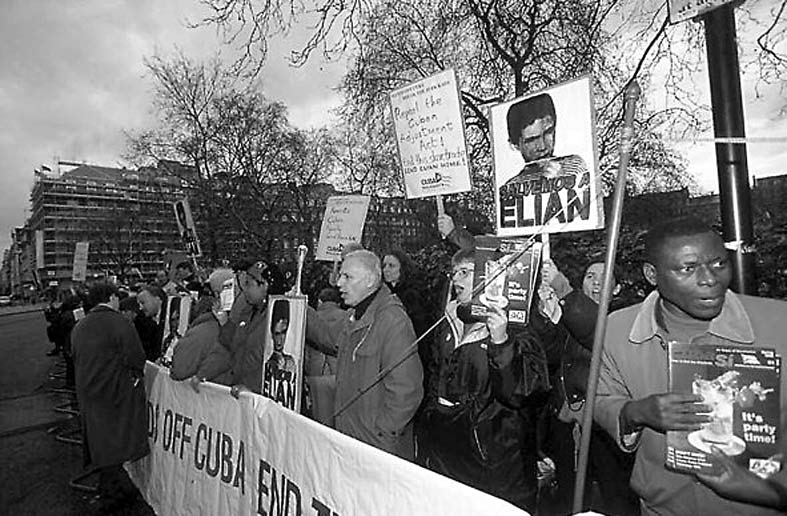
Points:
x=150 y=323
x=473 y=412
x=109 y=362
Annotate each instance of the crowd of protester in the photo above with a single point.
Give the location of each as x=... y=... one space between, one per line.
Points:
x=494 y=405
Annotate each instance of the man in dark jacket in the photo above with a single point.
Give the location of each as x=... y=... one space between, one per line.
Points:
x=109 y=362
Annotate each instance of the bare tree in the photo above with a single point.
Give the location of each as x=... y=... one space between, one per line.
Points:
x=252 y=167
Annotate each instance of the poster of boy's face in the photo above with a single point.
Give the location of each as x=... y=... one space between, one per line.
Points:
x=545 y=164
x=283 y=350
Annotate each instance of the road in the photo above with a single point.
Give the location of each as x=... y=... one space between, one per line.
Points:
x=36 y=467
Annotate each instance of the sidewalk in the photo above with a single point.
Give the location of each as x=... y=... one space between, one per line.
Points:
x=21 y=309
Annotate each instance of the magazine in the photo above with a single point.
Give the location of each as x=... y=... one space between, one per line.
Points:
x=511 y=273
x=741 y=386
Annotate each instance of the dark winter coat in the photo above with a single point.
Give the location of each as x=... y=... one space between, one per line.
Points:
x=199 y=353
x=109 y=362
x=477 y=426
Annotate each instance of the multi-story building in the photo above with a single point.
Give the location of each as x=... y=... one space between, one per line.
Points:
x=125 y=215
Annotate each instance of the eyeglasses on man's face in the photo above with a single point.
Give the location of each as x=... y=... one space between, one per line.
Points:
x=462 y=271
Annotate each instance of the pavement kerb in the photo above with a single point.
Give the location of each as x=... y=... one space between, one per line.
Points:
x=15 y=310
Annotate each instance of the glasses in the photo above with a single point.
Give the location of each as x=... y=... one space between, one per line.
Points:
x=462 y=272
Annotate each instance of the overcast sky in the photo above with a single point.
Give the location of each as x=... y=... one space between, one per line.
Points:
x=72 y=80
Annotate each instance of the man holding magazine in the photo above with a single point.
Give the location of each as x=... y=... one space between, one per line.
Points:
x=688 y=264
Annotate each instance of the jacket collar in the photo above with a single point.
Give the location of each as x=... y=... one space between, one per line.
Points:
x=732 y=323
x=382 y=298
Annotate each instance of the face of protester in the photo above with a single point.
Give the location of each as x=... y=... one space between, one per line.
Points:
x=355 y=281
x=182 y=273
x=537 y=140
x=256 y=292
x=280 y=334
x=129 y=314
x=149 y=304
x=114 y=302
x=392 y=269
x=161 y=278
x=594 y=280
x=692 y=275
x=462 y=281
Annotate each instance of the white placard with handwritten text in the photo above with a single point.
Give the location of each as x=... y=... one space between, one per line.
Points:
x=430 y=135
x=342 y=223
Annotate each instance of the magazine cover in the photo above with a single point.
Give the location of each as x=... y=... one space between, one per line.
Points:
x=508 y=276
x=741 y=385
x=283 y=350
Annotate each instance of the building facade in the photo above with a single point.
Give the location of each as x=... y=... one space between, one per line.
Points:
x=125 y=215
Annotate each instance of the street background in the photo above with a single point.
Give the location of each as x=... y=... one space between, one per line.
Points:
x=36 y=467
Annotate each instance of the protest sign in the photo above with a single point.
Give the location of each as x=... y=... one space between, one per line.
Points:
x=79 y=271
x=186 y=227
x=176 y=322
x=430 y=135
x=546 y=174
x=283 y=350
x=214 y=454
x=342 y=223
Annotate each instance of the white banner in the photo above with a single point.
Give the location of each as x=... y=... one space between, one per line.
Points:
x=430 y=135
x=79 y=271
x=342 y=223
x=212 y=454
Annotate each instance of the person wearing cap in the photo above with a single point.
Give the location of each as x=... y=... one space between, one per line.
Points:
x=375 y=336
x=256 y=281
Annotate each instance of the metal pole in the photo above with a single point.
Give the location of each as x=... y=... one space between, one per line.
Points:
x=727 y=107
x=626 y=142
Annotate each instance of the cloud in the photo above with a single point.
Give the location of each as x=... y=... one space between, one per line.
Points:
x=72 y=80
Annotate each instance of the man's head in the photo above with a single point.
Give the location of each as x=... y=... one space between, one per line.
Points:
x=129 y=307
x=593 y=281
x=183 y=270
x=361 y=275
x=463 y=268
x=151 y=299
x=531 y=127
x=162 y=278
x=257 y=280
x=104 y=293
x=687 y=263
x=328 y=295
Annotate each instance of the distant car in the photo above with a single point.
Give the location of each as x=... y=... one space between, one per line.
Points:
x=5 y=300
